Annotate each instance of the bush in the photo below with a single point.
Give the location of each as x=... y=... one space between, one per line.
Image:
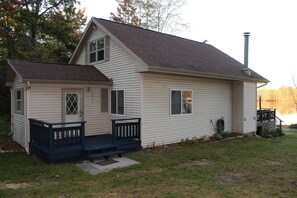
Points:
x=293 y=126
x=193 y=140
x=272 y=134
x=216 y=137
x=4 y=128
x=226 y=135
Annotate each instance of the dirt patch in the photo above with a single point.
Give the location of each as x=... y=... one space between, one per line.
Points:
x=293 y=183
x=273 y=162
x=10 y=146
x=242 y=177
x=162 y=147
x=15 y=186
x=201 y=162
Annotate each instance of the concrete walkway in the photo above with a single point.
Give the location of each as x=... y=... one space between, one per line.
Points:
x=102 y=166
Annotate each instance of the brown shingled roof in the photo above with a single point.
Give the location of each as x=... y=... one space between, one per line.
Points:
x=172 y=52
x=56 y=72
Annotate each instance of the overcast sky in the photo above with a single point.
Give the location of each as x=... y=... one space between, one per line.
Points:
x=272 y=24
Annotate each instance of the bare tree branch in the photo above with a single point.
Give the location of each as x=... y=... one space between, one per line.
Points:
x=51 y=7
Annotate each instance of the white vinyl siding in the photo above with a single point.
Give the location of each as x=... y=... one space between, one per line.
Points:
x=19 y=124
x=46 y=104
x=237 y=109
x=250 y=107
x=212 y=100
x=121 y=68
x=244 y=107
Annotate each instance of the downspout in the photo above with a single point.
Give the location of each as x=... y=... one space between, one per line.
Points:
x=27 y=113
x=12 y=102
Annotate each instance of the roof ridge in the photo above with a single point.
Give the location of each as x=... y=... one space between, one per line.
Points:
x=153 y=31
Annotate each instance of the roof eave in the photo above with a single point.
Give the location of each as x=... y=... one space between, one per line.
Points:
x=164 y=70
x=80 y=43
x=14 y=70
x=8 y=84
x=47 y=81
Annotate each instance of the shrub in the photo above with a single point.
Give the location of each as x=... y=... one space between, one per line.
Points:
x=273 y=133
x=193 y=140
x=293 y=126
x=4 y=128
x=216 y=137
x=226 y=135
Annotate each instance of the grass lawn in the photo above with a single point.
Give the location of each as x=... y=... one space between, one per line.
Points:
x=248 y=167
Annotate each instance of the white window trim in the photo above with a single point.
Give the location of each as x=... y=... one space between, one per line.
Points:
x=21 y=100
x=117 y=102
x=181 y=114
x=104 y=49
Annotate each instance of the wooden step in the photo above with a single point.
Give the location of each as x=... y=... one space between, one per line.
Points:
x=106 y=155
x=100 y=147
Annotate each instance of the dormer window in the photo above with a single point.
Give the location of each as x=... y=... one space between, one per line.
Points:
x=96 y=49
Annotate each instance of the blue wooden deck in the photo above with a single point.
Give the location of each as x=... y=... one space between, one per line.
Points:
x=54 y=142
x=267 y=117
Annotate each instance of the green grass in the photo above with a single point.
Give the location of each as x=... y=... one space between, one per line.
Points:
x=248 y=167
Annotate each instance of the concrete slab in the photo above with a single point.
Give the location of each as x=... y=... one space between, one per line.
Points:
x=93 y=168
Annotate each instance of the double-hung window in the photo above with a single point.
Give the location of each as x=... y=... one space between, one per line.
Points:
x=181 y=102
x=97 y=50
x=19 y=101
x=118 y=102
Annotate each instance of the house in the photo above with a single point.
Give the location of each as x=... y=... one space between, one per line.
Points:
x=179 y=88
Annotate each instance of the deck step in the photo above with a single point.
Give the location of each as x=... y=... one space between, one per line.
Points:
x=100 y=147
x=106 y=155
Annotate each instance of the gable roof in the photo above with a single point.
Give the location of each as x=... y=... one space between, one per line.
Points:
x=54 y=72
x=166 y=53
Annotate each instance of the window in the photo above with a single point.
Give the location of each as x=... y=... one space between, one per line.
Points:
x=181 y=102
x=19 y=101
x=96 y=50
x=104 y=100
x=117 y=102
x=99 y=50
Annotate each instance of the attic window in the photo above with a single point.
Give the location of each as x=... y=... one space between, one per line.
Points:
x=99 y=50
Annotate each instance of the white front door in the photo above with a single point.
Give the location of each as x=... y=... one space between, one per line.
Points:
x=73 y=105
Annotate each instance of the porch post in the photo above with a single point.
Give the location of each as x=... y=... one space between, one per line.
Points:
x=51 y=138
x=139 y=132
x=82 y=134
x=113 y=131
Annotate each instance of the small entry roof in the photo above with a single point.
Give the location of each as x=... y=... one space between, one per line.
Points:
x=54 y=72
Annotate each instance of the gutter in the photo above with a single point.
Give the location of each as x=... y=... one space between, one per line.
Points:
x=262 y=85
x=66 y=81
x=163 y=70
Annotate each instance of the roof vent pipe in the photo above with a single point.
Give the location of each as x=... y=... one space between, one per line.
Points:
x=246 y=54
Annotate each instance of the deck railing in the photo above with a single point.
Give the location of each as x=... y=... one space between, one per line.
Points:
x=56 y=135
x=266 y=115
x=126 y=129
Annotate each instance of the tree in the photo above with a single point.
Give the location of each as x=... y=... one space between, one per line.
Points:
x=41 y=30
x=126 y=13
x=292 y=90
x=158 y=15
